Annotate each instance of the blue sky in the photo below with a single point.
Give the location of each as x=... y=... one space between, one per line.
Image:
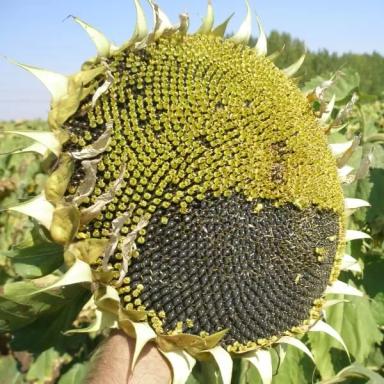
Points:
x=37 y=32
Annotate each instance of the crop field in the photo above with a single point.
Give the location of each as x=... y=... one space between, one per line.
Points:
x=229 y=220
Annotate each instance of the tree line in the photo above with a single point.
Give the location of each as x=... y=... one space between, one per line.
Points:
x=369 y=66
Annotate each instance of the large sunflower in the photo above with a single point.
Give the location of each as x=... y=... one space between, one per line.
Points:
x=192 y=187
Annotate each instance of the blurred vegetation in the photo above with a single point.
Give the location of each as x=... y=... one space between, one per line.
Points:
x=33 y=347
x=370 y=67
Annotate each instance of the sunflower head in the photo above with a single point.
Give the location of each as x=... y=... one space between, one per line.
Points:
x=194 y=184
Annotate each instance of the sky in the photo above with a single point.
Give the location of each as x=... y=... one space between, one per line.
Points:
x=39 y=33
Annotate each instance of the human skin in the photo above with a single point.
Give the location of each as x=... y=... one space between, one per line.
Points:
x=112 y=363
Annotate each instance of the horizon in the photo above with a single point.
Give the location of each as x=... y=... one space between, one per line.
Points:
x=46 y=38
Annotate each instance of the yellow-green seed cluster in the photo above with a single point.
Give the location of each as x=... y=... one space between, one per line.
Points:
x=188 y=120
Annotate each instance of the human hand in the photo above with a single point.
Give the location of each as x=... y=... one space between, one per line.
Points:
x=112 y=363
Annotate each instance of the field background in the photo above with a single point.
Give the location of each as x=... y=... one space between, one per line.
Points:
x=33 y=347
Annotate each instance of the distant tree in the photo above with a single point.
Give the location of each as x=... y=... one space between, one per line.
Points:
x=369 y=66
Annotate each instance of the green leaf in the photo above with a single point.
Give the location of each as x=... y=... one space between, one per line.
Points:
x=370 y=189
x=377 y=306
x=9 y=373
x=39 y=320
x=378 y=156
x=375 y=215
x=204 y=372
x=360 y=333
x=356 y=371
x=45 y=368
x=192 y=379
x=346 y=81
x=48 y=329
x=36 y=261
x=75 y=375
x=374 y=285
x=13 y=315
x=296 y=368
x=375 y=359
x=251 y=376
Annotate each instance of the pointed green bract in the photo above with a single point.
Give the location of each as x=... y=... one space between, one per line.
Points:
x=47 y=139
x=39 y=208
x=224 y=362
x=80 y=272
x=262 y=361
x=221 y=29
x=141 y=29
x=102 y=44
x=356 y=235
x=340 y=148
x=350 y=264
x=339 y=287
x=56 y=83
x=261 y=46
x=144 y=334
x=321 y=326
x=331 y=303
x=34 y=148
x=161 y=20
x=356 y=203
x=345 y=171
x=292 y=69
x=297 y=344
x=182 y=364
x=243 y=35
x=208 y=20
